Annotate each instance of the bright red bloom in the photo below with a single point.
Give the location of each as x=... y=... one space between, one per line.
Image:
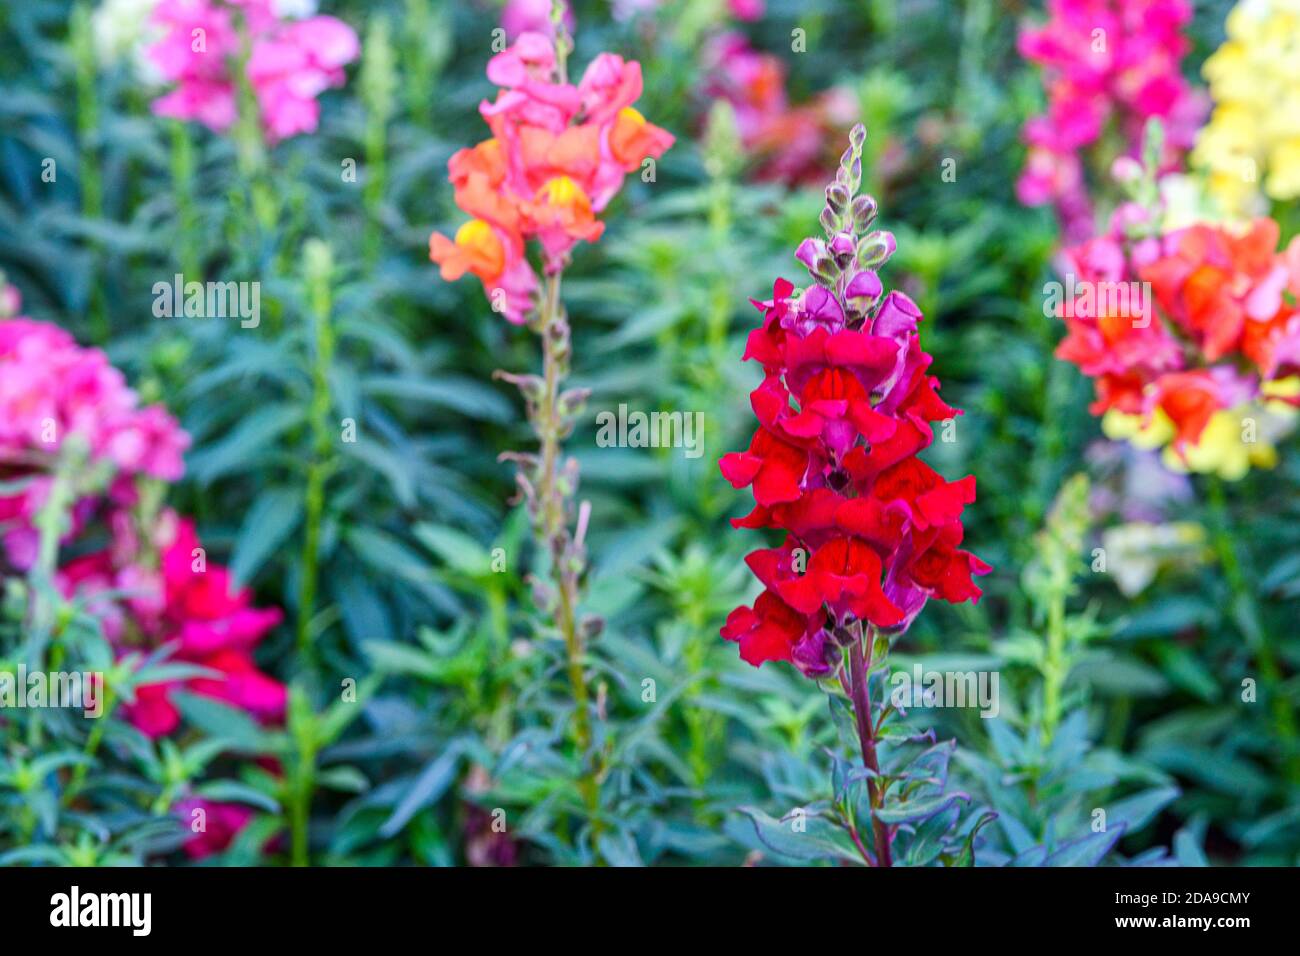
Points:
x=775 y=468
x=773 y=631
x=922 y=493
x=843 y=574
x=872 y=532
x=937 y=567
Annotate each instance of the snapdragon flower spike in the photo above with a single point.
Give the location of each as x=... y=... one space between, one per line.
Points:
x=559 y=153
x=55 y=394
x=1218 y=345
x=846 y=403
x=289 y=64
x=1107 y=65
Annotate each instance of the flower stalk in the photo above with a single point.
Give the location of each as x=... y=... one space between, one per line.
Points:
x=860 y=692
x=516 y=197
x=555 y=487
x=318 y=264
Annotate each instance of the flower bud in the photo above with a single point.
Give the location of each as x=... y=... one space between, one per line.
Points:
x=862 y=290
x=837 y=198
x=809 y=251
x=830 y=221
x=875 y=248
x=864 y=213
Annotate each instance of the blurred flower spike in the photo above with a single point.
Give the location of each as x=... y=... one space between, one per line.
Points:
x=208 y=48
x=1203 y=359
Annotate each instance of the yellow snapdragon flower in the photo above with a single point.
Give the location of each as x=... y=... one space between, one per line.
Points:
x=1254 y=131
x=1234 y=440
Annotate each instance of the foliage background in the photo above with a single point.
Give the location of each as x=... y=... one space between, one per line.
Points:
x=464 y=704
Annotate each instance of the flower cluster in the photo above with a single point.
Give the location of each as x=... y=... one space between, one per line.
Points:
x=789 y=143
x=845 y=405
x=1254 y=81
x=288 y=63
x=57 y=398
x=1208 y=369
x=1106 y=63
x=558 y=154
x=175 y=595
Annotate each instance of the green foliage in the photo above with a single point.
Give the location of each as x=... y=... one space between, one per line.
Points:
x=404 y=570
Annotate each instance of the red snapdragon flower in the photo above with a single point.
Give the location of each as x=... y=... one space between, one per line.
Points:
x=846 y=404
x=213 y=624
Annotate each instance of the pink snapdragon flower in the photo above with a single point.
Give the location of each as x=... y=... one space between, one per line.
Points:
x=1107 y=64
x=290 y=63
x=558 y=154
x=52 y=391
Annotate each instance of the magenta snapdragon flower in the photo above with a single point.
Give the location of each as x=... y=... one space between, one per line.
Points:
x=1108 y=65
x=53 y=391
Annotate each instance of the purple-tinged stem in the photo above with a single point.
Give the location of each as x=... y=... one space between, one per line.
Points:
x=858 y=668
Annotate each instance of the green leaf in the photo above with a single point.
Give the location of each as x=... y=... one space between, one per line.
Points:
x=267 y=524
x=467 y=396
x=222 y=720
x=431 y=784
x=347 y=779
x=456 y=549
x=820 y=840
x=1136 y=811
x=232 y=791
x=1086 y=851
x=256 y=434
x=914 y=811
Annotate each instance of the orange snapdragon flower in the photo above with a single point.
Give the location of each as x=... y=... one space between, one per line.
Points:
x=557 y=156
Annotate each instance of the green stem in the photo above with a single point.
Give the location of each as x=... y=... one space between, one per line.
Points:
x=317 y=268
x=92 y=189
x=1054 y=666
x=250 y=151
x=552 y=520
x=93 y=740
x=300 y=808
x=378 y=80
x=182 y=167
